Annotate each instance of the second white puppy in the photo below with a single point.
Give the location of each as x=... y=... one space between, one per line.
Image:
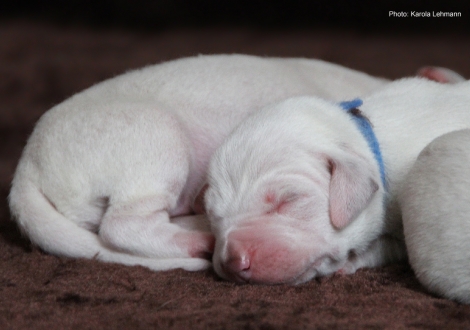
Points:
x=435 y=203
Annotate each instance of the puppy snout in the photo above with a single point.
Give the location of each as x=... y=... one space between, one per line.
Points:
x=251 y=256
x=238 y=264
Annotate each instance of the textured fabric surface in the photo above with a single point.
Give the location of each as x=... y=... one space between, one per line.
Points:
x=40 y=65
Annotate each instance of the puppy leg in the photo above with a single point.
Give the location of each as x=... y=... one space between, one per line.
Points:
x=198 y=222
x=142 y=227
x=383 y=250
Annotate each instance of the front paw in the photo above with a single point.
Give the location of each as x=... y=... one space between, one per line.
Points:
x=350 y=266
x=348 y=269
x=197 y=244
x=204 y=248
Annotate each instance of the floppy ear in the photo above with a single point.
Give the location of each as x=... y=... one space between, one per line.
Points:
x=352 y=187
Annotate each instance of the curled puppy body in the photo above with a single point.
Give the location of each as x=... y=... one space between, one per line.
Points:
x=296 y=190
x=435 y=203
x=113 y=172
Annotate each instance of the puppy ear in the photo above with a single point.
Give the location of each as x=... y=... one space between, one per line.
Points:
x=352 y=187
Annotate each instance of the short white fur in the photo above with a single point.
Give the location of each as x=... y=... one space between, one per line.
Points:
x=112 y=172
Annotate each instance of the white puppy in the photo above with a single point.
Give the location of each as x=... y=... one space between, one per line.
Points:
x=113 y=173
x=303 y=189
x=436 y=207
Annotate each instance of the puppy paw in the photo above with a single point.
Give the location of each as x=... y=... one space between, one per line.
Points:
x=348 y=269
x=197 y=244
x=350 y=266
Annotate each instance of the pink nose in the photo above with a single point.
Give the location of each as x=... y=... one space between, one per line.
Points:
x=254 y=257
x=238 y=268
x=238 y=264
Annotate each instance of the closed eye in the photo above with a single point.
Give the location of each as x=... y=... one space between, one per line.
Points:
x=280 y=204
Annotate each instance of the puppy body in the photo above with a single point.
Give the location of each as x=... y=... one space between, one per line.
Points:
x=436 y=205
x=317 y=204
x=113 y=173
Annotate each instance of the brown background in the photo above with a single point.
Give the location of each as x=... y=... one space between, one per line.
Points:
x=48 y=52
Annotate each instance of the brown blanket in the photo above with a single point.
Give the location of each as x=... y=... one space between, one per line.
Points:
x=40 y=65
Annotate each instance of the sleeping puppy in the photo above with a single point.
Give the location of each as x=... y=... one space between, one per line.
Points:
x=305 y=188
x=435 y=202
x=117 y=171
x=114 y=172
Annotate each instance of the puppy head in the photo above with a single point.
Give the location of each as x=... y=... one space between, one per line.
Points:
x=291 y=192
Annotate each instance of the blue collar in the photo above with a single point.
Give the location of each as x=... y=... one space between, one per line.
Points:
x=364 y=125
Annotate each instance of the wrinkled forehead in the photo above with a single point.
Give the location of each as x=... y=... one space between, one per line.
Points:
x=291 y=131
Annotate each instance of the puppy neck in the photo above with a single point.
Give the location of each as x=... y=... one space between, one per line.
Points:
x=365 y=127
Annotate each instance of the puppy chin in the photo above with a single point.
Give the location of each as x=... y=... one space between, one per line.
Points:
x=290 y=273
x=303 y=276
